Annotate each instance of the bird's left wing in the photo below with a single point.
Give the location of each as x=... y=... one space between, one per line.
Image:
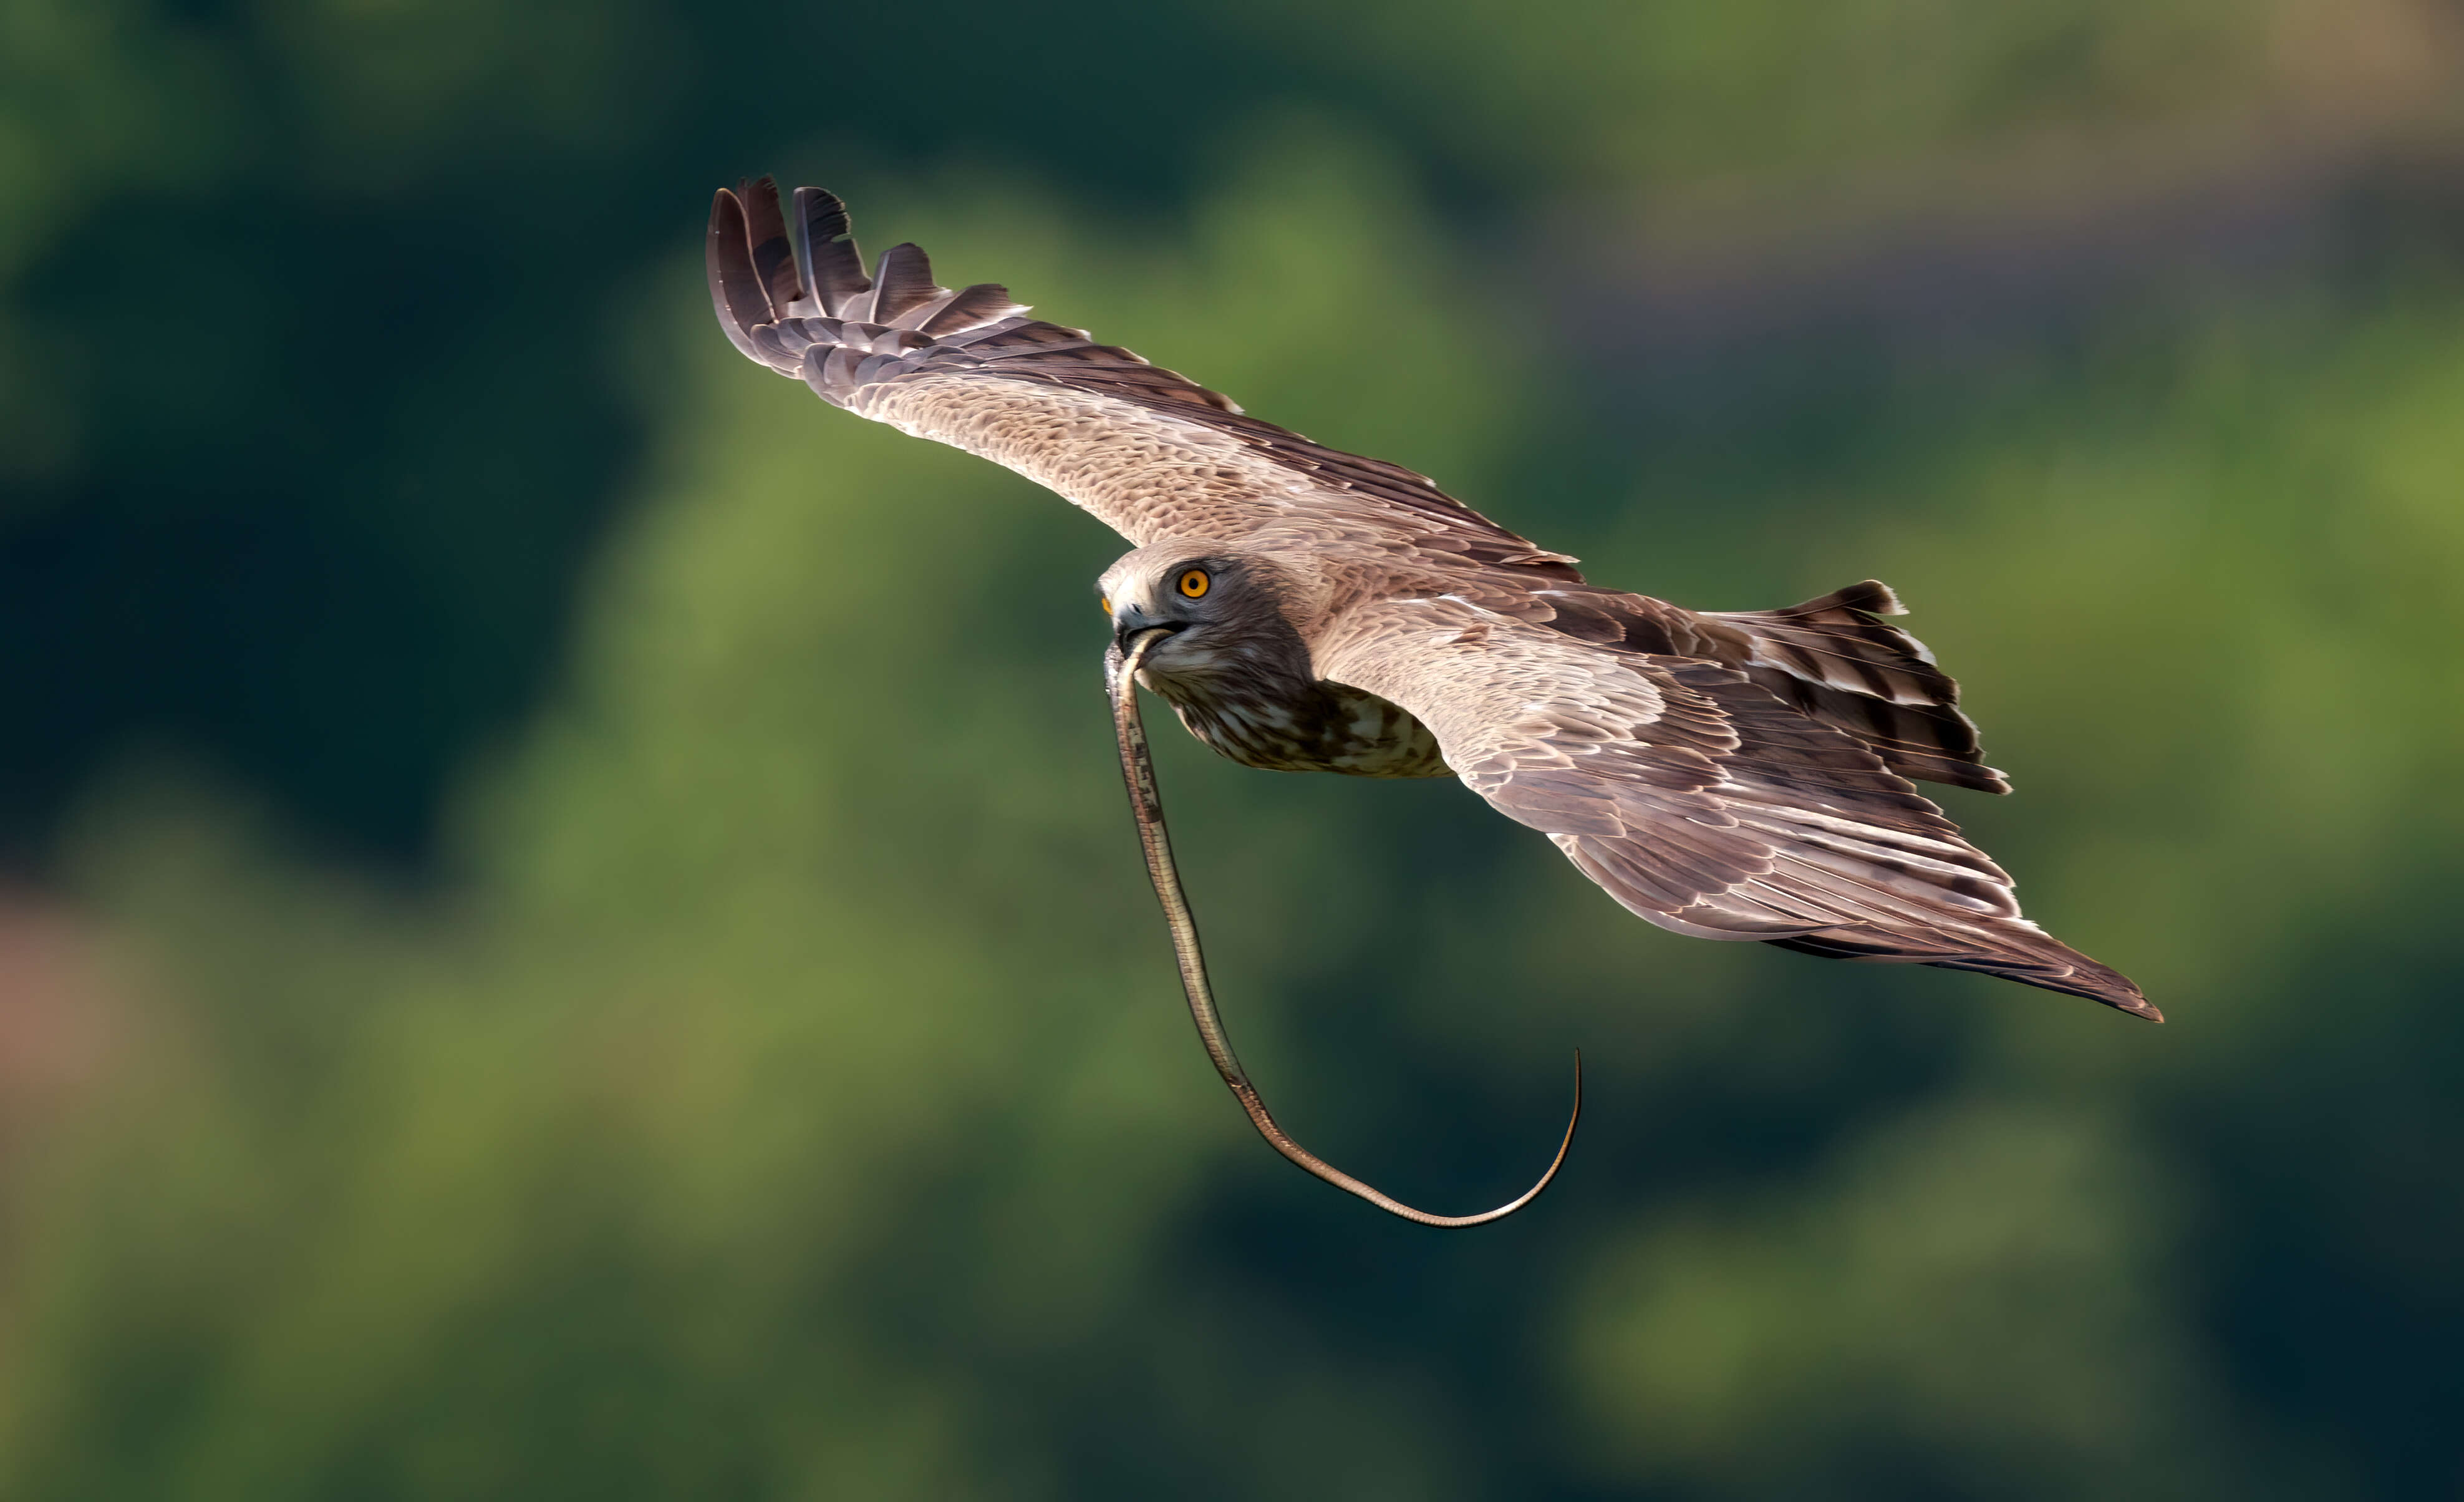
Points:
x=1697 y=799
x=1150 y=453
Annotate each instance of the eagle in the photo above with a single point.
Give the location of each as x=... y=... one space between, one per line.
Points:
x=1730 y=775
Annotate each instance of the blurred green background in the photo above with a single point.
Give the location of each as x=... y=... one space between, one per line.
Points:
x=569 y=927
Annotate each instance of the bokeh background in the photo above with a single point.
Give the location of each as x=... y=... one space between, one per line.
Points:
x=569 y=928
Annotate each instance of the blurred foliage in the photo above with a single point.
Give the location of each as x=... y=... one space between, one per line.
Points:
x=621 y=968
x=1676 y=90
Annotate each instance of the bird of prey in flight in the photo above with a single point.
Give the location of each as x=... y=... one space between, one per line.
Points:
x=1738 y=775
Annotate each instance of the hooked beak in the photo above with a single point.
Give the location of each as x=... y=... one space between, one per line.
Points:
x=1130 y=622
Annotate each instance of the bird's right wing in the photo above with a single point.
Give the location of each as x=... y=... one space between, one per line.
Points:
x=1700 y=801
x=1150 y=453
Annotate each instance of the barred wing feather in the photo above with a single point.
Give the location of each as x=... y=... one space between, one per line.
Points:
x=1700 y=801
x=1148 y=451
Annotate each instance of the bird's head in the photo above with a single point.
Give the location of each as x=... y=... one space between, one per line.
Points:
x=1223 y=607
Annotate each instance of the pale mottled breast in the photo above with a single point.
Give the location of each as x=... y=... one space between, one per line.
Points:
x=1337 y=729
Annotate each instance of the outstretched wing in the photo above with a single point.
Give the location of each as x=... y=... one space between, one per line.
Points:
x=1832 y=657
x=1150 y=453
x=1700 y=801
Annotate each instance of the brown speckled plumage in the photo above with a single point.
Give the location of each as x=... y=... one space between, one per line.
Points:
x=1735 y=776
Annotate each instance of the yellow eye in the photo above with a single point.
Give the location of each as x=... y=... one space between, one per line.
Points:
x=1193 y=582
x=1106 y=601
